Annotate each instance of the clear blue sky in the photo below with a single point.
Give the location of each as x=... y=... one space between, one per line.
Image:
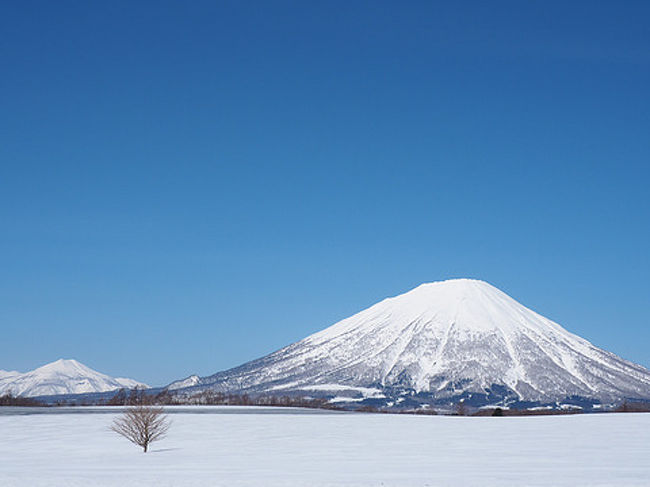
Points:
x=185 y=186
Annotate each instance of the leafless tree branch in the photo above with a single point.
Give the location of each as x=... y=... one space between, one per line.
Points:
x=142 y=425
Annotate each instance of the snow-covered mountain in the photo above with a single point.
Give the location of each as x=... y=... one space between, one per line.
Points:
x=192 y=380
x=437 y=344
x=61 y=377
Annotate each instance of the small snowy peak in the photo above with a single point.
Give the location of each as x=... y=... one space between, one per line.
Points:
x=443 y=341
x=64 y=366
x=63 y=376
x=191 y=381
x=130 y=383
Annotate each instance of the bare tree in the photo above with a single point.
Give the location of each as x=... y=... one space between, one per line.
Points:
x=142 y=425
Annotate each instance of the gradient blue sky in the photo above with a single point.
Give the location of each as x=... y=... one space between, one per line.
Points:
x=185 y=186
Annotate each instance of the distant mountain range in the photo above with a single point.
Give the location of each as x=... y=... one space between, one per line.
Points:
x=438 y=344
x=61 y=377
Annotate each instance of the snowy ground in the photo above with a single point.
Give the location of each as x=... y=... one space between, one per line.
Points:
x=256 y=447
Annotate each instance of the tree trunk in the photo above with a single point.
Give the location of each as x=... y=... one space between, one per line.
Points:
x=145 y=447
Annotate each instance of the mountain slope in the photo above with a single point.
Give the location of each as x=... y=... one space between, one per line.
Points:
x=61 y=377
x=440 y=341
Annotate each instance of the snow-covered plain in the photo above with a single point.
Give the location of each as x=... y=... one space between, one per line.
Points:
x=283 y=447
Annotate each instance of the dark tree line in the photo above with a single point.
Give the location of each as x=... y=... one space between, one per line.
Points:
x=633 y=407
x=10 y=400
x=136 y=397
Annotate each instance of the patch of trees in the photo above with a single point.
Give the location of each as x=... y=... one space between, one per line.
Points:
x=366 y=408
x=220 y=399
x=135 y=397
x=461 y=409
x=633 y=407
x=421 y=412
x=10 y=400
x=525 y=412
x=132 y=397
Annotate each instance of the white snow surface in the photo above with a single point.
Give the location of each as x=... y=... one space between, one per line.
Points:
x=64 y=376
x=351 y=449
x=446 y=338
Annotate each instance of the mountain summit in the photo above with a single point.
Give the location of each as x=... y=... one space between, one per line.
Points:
x=439 y=343
x=61 y=377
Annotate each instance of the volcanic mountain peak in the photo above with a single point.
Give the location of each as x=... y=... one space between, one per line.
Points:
x=466 y=304
x=440 y=341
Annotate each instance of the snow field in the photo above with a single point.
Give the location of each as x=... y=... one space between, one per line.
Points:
x=302 y=449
